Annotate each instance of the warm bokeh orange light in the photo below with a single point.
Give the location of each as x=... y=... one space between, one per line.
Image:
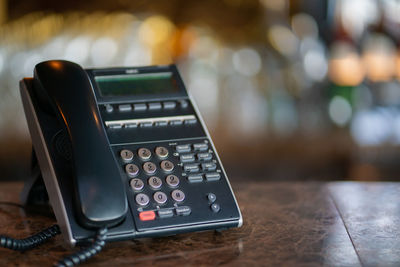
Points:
x=347 y=71
x=156 y=32
x=181 y=41
x=379 y=67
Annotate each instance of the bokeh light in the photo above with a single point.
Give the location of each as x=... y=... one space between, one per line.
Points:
x=345 y=65
x=247 y=61
x=379 y=58
x=283 y=40
x=340 y=110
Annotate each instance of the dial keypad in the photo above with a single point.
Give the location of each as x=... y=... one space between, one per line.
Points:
x=159 y=176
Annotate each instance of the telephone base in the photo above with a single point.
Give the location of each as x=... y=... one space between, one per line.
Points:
x=34 y=192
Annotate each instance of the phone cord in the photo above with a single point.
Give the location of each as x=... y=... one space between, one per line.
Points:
x=85 y=253
x=29 y=242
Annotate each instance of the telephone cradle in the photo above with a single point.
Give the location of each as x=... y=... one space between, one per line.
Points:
x=124 y=150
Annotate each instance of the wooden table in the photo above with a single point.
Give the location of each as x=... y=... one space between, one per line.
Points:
x=290 y=224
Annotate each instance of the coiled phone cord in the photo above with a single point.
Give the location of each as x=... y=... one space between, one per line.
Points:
x=85 y=253
x=39 y=238
x=29 y=242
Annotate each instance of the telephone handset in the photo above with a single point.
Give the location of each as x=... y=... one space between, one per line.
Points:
x=64 y=89
x=125 y=149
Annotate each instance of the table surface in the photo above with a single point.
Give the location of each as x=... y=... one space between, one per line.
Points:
x=290 y=224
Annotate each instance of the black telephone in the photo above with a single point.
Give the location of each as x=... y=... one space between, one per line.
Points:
x=125 y=149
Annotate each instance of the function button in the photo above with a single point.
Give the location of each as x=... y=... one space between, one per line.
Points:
x=161 y=152
x=139 y=107
x=144 y=153
x=175 y=122
x=115 y=126
x=215 y=207
x=161 y=123
x=183 y=148
x=178 y=195
x=172 y=180
x=213 y=176
x=149 y=167
x=154 y=106
x=137 y=184
x=147 y=215
x=190 y=121
x=142 y=199
x=131 y=125
x=204 y=156
x=155 y=182
x=169 y=105
x=183 y=103
x=132 y=170
x=160 y=197
x=211 y=197
x=184 y=210
x=125 y=108
x=195 y=178
x=185 y=158
x=167 y=165
x=109 y=108
x=208 y=166
x=165 y=213
x=191 y=167
x=200 y=147
x=146 y=124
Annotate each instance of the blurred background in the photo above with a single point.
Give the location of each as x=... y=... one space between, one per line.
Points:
x=290 y=89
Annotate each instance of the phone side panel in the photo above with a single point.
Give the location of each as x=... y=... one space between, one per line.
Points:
x=240 y=222
x=45 y=163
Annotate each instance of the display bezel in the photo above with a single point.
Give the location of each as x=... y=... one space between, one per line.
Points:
x=150 y=70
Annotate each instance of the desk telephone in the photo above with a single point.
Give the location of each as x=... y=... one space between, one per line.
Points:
x=124 y=149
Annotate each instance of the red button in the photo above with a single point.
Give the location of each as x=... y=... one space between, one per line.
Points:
x=147 y=215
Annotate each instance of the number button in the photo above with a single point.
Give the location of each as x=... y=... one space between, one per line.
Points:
x=142 y=199
x=132 y=170
x=144 y=153
x=160 y=197
x=126 y=155
x=161 y=152
x=137 y=184
x=155 y=182
x=149 y=167
x=172 y=180
x=178 y=195
x=167 y=165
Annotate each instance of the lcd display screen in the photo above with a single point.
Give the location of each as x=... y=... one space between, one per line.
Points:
x=137 y=84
